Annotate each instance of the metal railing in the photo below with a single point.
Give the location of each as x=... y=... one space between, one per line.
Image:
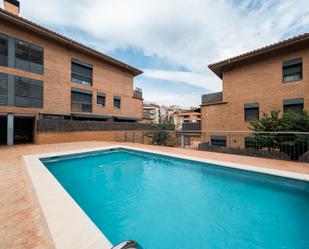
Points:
x=212 y=98
x=195 y=126
x=138 y=93
x=293 y=146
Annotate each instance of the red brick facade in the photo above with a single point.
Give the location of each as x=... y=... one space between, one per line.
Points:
x=108 y=78
x=256 y=79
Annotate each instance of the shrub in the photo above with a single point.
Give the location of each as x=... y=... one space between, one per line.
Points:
x=292 y=144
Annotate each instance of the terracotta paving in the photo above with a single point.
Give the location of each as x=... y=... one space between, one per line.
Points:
x=22 y=223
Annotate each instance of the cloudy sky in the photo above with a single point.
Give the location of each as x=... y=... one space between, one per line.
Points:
x=172 y=41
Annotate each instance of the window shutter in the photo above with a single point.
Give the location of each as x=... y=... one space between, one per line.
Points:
x=251 y=112
x=81 y=72
x=36 y=93
x=295 y=105
x=28 y=92
x=3 y=88
x=81 y=97
x=21 y=91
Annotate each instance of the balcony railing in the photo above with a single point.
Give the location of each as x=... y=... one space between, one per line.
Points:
x=212 y=98
x=191 y=126
x=81 y=107
x=138 y=93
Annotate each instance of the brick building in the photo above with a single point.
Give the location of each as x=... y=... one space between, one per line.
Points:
x=44 y=75
x=273 y=77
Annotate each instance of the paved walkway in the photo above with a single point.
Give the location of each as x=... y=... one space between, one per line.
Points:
x=22 y=223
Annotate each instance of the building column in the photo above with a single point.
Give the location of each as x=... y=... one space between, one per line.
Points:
x=10 y=129
x=182 y=141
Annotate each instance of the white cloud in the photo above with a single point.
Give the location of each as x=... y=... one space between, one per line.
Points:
x=206 y=81
x=191 y=33
x=184 y=100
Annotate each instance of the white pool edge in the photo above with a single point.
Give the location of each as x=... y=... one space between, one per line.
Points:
x=69 y=226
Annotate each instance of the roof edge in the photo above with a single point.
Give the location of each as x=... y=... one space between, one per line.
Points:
x=50 y=33
x=215 y=67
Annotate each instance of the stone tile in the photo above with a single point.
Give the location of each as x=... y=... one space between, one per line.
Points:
x=22 y=224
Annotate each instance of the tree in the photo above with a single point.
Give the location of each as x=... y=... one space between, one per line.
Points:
x=272 y=123
x=160 y=133
x=274 y=132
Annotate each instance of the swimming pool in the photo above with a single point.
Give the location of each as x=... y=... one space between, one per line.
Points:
x=165 y=202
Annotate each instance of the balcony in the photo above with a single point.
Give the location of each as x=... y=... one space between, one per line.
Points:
x=192 y=126
x=138 y=93
x=81 y=107
x=212 y=98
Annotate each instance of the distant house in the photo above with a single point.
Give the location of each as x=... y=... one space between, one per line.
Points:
x=47 y=76
x=273 y=77
x=151 y=113
x=187 y=119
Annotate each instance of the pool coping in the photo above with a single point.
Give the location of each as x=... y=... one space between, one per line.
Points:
x=69 y=225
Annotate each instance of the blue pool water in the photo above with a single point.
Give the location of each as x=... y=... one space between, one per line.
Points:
x=169 y=203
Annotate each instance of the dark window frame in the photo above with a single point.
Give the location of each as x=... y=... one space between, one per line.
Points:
x=28 y=63
x=253 y=107
x=101 y=97
x=80 y=79
x=295 y=105
x=292 y=65
x=117 y=99
x=218 y=141
x=6 y=50
x=85 y=106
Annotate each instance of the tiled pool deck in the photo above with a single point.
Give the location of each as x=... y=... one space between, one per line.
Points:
x=22 y=224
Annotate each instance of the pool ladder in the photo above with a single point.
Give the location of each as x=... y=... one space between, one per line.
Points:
x=129 y=244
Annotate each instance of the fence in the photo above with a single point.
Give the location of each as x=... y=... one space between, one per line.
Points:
x=292 y=146
x=48 y=125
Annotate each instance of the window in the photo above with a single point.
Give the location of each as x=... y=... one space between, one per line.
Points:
x=22 y=55
x=218 y=141
x=29 y=57
x=36 y=59
x=28 y=92
x=292 y=70
x=117 y=102
x=81 y=100
x=3 y=50
x=3 y=89
x=295 y=105
x=81 y=73
x=101 y=99
x=251 y=112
